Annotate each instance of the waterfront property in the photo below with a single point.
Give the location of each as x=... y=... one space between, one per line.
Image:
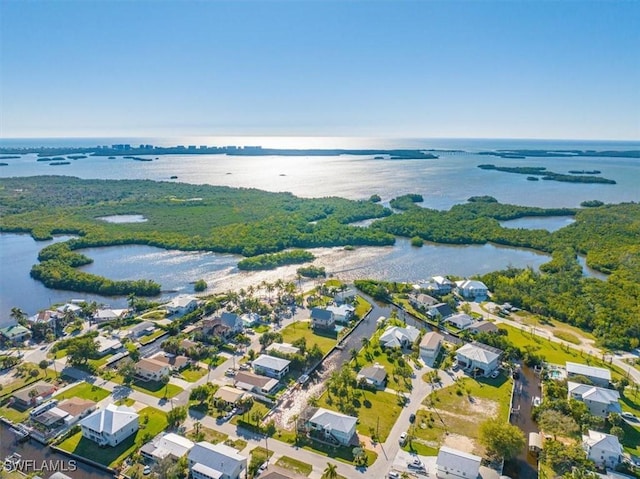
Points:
x=598 y=376
x=460 y=320
x=399 y=337
x=440 y=311
x=375 y=376
x=181 y=304
x=603 y=449
x=166 y=445
x=452 y=463
x=282 y=348
x=342 y=313
x=332 y=426
x=430 y=346
x=144 y=328
x=422 y=301
x=600 y=401
x=43 y=317
x=322 y=319
x=32 y=395
x=255 y=383
x=472 y=289
x=208 y=461
x=15 y=334
x=106 y=314
x=110 y=426
x=271 y=366
x=478 y=358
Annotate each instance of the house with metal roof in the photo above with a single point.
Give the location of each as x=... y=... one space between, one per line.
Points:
x=375 y=375
x=452 y=463
x=342 y=313
x=399 y=337
x=333 y=426
x=598 y=376
x=15 y=334
x=255 y=383
x=600 y=401
x=282 y=348
x=209 y=461
x=111 y=425
x=460 y=320
x=182 y=304
x=166 y=445
x=472 y=289
x=430 y=346
x=322 y=319
x=603 y=449
x=478 y=358
x=271 y=366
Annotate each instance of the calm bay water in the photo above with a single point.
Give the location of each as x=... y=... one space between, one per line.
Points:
x=443 y=182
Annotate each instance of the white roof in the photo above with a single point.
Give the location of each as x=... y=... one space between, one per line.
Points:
x=451 y=458
x=107 y=343
x=441 y=280
x=594 y=393
x=471 y=284
x=217 y=457
x=479 y=352
x=342 y=310
x=394 y=335
x=284 y=348
x=206 y=471
x=431 y=340
x=589 y=371
x=333 y=421
x=462 y=319
x=181 y=301
x=606 y=442
x=270 y=362
x=172 y=444
x=110 y=419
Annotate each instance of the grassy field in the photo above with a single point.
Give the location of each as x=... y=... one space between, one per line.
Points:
x=461 y=408
x=302 y=329
x=206 y=434
x=85 y=391
x=417 y=447
x=192 y=375
x=554 y=325
x=396 y=383
x=362 y=307
x=13 y=415
x=294 y=465
x=238 y=444
x=152 y=337
x=152 y=388
x=112 y=456
x=376 y=411
x=342 y=454
x=21 y=381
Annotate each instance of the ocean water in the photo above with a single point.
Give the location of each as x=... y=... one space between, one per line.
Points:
x=443 y=182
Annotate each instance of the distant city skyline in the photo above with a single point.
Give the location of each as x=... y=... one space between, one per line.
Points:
x=401 y=69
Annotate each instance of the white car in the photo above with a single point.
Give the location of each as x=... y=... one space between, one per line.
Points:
x=416 y=464
x=495 y=374
x=263 y=467
x=146 y=471
x=629 y=417
x=403 y=438
x=393 y=475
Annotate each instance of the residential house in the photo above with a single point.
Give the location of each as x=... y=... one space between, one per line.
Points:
x=440 y=311
x=460 y=320
x=43 y=317
x=472 y=289
x=430 y=346
x=232 y=321
x=105 y=314
x=250 y=319
x=111 y=425
x=276 y=472
x=441 y=284
x=399 y=337
x=482 y=327
x=452 y=463
x=149 y=369
x=603 y=449
x=422 y=301
x=175 y=363
x=70 y=307
x=282 y=348
x=322 y=319
x=598 y=376
x=77 y=408
x=225 y=325
x=229 y=395
x=166 y=445
x=333 y=426
x=32 y=395
x=375 y=376
x=107 y=345
x=255 y=383
x=144 y=328
x=342 y=313
x=15 y=334
x=600 y=401
x=478 y=358
x=182 y=304
x=271 y=366
x=208 y=461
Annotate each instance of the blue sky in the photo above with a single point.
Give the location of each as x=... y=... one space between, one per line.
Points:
x=481 y=69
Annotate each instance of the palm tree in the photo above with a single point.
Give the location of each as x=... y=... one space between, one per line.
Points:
x=365 y=342
x=19 y=315
x=330 y=472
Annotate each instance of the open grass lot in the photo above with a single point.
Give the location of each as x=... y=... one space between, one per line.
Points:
x=342 y=454
x=112 y=456
x=376 y=411
x=238 y=444
x=192 y=375
x=156 y=314
x=553 y=352
x=362 y=307
x=302 y=329
x=417 y=447
x=207 y=434
x=151 y=337
x=393 y=382
x=461 y=408
x=85 y=391
x=531 y=319
x=98 y=363
x=295 y=465
x=257 y=408
x=13 y=414
x=23 y=380
x=152 y=388
x=630 y=402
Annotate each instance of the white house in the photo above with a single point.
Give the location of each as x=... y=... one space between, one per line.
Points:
x=422 y=301
x=166 y=445
x=250 y=319
x=182 y=304
x=453 y=463
x=442 y=285
x=282 y=348
x=209 y=461
x=603 y=449
x=107 y=345
x=149 y=369
x=374 y=375
x=43 y=317
x=255 y=383
x=333 y=426
x=430 y=346
x=102 y=315
x=472 y=289
x=600 y=401
x=144 y=328
x=478 y=358
x=271 y=366
x=342 y=313
x=598 y=376
x=110 y=426
x=398 y=337
x=460 y=320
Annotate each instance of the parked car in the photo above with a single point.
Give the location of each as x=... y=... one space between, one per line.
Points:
x=393 y=475
x=495 y=374
x=456 y=366
x=416 y=464
x=629 y=417
x=263 y=467
x=230 y=372
x=403 y=438
x=146 y=471
x=536 y=401
x=412 y=418
x=245 y=367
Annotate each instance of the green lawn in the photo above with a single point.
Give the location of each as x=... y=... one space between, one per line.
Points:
x=257 y=407
x=531 y=319
x=153 y=388
x=125 y=402
x=366 y=357
x=362 y=307
x=151 y=337
x=192 y=375
x=21 y=381
x=209 y=435
x=417 y=447
x=461 y=408
x=302 y=329
x=262 y=452
x=342 y=454
x=84 y=390
x=238 y=444
x=112 y=456
x=295 y=465
x=13 y=415
x=376 y=411
x=156 y=314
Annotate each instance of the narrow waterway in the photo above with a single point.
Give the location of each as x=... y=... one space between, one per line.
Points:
x=42 y=460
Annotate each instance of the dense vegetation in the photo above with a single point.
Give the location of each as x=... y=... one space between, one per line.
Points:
x=549 y=175
x=563 y=153
x=405 y=202
x=273 y=260
x=312 y=271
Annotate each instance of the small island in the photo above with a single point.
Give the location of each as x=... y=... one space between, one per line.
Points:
x=548 y=175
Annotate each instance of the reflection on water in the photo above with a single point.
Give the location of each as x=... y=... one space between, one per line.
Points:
x=549 y=223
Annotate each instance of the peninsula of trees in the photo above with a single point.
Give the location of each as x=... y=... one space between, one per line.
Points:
x=541 y=171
